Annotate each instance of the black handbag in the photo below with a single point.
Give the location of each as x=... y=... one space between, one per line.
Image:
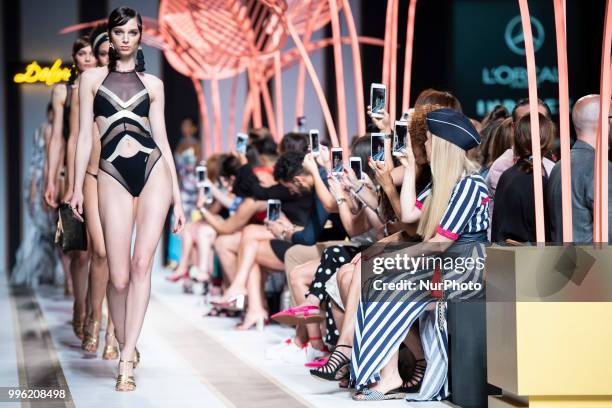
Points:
x=71 y=234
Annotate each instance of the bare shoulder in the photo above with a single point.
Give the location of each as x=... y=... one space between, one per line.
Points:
x=153 y=84
x=92 y=78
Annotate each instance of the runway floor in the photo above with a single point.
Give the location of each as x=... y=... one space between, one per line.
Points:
x=187 y=360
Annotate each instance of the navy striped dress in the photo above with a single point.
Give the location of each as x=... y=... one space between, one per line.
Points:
x=384 y=319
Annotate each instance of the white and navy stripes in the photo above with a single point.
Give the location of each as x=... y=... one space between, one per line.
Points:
x=467 y=210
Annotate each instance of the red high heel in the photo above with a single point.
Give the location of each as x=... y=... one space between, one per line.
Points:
x=177 y=276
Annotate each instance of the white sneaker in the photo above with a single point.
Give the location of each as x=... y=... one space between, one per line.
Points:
x=275 y=352
x=302 y=355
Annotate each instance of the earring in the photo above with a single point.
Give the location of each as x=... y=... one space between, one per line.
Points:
x=140 y=63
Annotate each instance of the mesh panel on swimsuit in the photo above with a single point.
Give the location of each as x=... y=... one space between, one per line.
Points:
x=121 y=109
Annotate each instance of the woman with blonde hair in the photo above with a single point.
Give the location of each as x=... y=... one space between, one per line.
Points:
x=452 y=213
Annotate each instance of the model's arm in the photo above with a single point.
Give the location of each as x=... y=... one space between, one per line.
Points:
x=158 y=128
x=72 y=143
x=47 y=136
x=56 y=144
x=84 y=143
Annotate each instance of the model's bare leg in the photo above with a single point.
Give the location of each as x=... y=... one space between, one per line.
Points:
x=98 y=268
x=117 y=217
x=151 y=211
x=80 y=274
x=65 y=261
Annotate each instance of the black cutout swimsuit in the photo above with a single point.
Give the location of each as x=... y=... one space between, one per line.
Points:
x=121 y=109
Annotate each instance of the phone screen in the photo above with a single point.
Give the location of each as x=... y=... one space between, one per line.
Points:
x=378 y=147
x=208 y=194
x=314 y=141
x=241 y=143
x=356 y=167
x=378 y=100
x=274 y=207
x=336 y=162
x=201 y=172
x=400 y=139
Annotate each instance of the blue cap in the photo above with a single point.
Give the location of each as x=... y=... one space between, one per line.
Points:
x=454 y=127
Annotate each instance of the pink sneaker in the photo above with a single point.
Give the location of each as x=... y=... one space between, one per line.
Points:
x=296 y=315
x=317 y=362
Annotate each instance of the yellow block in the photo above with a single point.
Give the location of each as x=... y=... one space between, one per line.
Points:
x=570 y=402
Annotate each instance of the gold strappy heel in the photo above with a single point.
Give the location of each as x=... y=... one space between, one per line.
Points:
x=78 y=326
x=111 y=351
x=136 y=357
x=125 y=382
x=92 y=337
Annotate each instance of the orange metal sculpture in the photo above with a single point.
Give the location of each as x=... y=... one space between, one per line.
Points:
x=600 y=205
x=535 y=123
x=564 y=115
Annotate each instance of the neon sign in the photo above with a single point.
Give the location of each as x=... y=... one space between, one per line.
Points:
x=35 y=73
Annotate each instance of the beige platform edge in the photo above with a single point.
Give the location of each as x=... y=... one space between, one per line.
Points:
x=549 y=327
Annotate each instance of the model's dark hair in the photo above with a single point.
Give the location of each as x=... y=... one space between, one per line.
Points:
x=288 y=166
x=292 y=141
x=77 y=46
x=98 y=35
x=118 y=17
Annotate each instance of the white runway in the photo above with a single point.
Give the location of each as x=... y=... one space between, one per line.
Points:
x=187 y=360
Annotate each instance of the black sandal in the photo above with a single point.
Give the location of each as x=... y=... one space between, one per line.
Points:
x=331 y=371
x=414 y=384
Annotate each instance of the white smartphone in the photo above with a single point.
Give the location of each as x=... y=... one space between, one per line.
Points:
x=208 y=193
x=201 y=175
x=378 y=99
x=274 y=209
x=241 y=142
x=377 y=145
x=337 y=165
x=400 y=138
x=355 y=163
x=314 y=142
